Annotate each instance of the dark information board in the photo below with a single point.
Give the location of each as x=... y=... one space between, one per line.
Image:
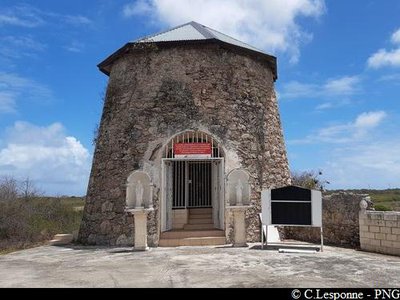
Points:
x=291 y=205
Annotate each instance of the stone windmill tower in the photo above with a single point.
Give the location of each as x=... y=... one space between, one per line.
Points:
x=191 y=127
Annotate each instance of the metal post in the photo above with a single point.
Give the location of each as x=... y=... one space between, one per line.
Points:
x=322 y=240
x=262 y=236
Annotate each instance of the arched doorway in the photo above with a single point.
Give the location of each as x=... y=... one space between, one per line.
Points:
x=192 y=182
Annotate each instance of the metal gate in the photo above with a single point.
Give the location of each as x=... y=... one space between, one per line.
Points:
x=192 y=184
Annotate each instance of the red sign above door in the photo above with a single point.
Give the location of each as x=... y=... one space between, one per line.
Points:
x=195 y=150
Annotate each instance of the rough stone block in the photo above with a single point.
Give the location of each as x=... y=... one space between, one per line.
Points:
x=375 y=222
x=364 y=241
x=391 y=223
x=387 y=244
x=374 y=229
x=396 y=245
x=386 y=230
x=391 y=237
x=395 y=230
x=380 y=236
x=364 y=228
x=369 y=247
x=390 y=217
x=369 y=235
x=375 y=242
x=376 y=216
x=393 y=251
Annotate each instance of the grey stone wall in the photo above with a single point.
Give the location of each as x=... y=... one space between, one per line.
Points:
x=340 y=222
x=380 y=232
x=156 y=93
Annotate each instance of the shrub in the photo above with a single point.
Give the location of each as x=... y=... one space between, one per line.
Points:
x=382 y=207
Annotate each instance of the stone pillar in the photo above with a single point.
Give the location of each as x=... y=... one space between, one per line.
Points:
x=140 y=222
x=239 y=225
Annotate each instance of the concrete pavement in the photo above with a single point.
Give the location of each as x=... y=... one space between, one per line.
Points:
x=213 y=266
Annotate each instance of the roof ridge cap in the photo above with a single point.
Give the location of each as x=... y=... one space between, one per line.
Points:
x=204 y=30
x=161 y=32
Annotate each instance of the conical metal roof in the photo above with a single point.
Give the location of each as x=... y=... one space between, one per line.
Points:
x=193 y=31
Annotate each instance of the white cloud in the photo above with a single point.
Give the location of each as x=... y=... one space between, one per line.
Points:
x=75 y=46
x=14 y=88
x=343 y=86
x=369 y=119
x=326 y=105
x=391 y=77
x=22 y=15
x=396 y=37
x=357 y=154
x=20 y=46
x=77 y=20
x=373 y=163
x=333 y=104
x=59 y=163
x=137 y=8
x=269 y=25
x=385 y=58
x=345 y=132
x=7 y=102
x=25 y=15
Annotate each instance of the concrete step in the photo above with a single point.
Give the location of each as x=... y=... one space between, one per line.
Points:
x=198 y=226
x=192 y=241
x=196 y=211
x=179 y=234
x=201 y=221
x=200 y=216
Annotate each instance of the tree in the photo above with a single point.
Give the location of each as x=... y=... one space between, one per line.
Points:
x=28 y=190
x=8 y=188
x=309 y=179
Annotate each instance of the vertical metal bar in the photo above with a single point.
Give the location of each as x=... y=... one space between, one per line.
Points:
x=201 y=183
x=180 y=183
x=322 y=240
x=186 y=184
x=173 y=184
x=192 y=186
x=183 y=182
x=204 y=184
x=208 y=184
x=197 y=184
x=212 y=147
x=172 y=148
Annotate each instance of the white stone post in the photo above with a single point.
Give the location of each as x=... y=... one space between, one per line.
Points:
x=239 y=225
x=140 y=224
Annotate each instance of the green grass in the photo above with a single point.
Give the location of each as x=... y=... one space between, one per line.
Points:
x=26 y=223
x=388 y=199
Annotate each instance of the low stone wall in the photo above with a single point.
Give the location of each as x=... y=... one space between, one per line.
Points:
x=340 y=221
x=380 y=232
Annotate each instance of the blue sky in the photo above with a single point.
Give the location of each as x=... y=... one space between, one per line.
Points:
x=338 y=80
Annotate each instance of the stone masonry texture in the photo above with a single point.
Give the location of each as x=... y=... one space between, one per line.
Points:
x=340 y=221
x=155 y=93
x=380 y=232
